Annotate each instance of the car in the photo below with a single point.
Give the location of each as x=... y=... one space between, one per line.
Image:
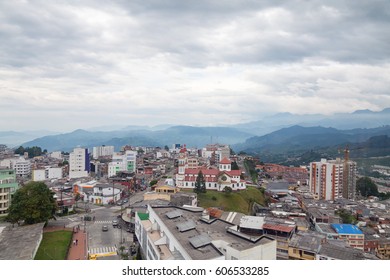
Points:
x=125 y=200
x=104 y=228
x=115 y=223
x=119 y=203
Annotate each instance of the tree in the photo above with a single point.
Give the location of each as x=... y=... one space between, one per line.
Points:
x=200 y=184
x=235 y=166
x=166 y=148
x=33 y=203
x=227 y=190
x=366 y=187
x=346 y=216
x=32 y=152
x=153 y=182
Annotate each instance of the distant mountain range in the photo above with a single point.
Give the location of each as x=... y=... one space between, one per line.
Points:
x=192 y=136
x=297 y=138
x=299 y=145
x=357 y=119
x=279 y=133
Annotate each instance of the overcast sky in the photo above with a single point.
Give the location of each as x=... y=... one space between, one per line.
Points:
x=78 y=64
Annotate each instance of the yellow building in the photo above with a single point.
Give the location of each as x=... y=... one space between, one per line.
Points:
x=305 y=246
x=383 y=250
x=162 y=192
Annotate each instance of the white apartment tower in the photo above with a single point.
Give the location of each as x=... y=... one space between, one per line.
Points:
x=79 y=163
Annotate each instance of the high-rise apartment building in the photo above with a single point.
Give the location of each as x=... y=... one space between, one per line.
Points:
x=79 y=163
x=333 y=179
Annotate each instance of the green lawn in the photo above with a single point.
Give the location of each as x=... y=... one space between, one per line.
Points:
x=54 y=245
x=240 y=201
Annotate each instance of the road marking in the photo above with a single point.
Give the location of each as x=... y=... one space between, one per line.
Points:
x=102 y=250
x=103 y=222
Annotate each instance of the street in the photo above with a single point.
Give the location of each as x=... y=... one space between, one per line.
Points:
x=99 y=241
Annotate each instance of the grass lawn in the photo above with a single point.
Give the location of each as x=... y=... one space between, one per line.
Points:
x=240 y=201
x=54 y=245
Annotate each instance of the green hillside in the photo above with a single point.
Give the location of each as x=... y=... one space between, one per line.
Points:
x=240 y=201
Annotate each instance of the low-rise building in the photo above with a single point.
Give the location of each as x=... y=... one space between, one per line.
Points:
x=383 y=251
x=330 y=251
x=305 y=246
x=351 y=233
x=171 y=233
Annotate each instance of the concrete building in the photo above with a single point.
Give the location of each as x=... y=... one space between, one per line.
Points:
x=305 y=246
x=330 y=180
x=102 y=151
x=330 y=251
x=126 y=161
x=171 y=233
x=216 y=151
x=22 y=167
x=56 y=155
x=48 y=173
x=79 y=163
x=8 y=186
x=351 y=234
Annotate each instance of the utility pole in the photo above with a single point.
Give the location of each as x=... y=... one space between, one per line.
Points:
x=121 y=226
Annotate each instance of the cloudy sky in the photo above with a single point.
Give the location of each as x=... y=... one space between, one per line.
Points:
x=78 y=64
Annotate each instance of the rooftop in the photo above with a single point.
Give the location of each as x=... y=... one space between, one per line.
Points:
x=210 y=233
x=21 y=242
x=346 y=229
x=341 y=253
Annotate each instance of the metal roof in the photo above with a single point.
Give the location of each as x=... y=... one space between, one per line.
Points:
x=187 y=225
x=174 y=214
x=200 y=240
x=279 y=227
x=346 y=229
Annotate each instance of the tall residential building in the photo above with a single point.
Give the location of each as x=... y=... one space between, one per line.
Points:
x=333 y=179
x=102 y=151
x=122 y=162
x=8 y=186
x=79 y=163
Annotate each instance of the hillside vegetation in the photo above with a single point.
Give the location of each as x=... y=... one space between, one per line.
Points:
x=240 y=201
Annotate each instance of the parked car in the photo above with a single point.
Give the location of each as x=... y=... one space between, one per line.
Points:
x=104 y=228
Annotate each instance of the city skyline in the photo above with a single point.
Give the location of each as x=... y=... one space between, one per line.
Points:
x=75 y=65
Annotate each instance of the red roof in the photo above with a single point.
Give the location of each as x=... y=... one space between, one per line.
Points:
x=225 y=161
x=234 y=172
x=278 y=227
x=206 y=179
x=205 y=171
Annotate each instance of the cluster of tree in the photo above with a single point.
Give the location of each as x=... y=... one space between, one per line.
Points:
x=32 y=203
x=367 y=187
x=32 y=151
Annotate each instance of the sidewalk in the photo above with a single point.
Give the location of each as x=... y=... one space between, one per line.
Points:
x=79 y=251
